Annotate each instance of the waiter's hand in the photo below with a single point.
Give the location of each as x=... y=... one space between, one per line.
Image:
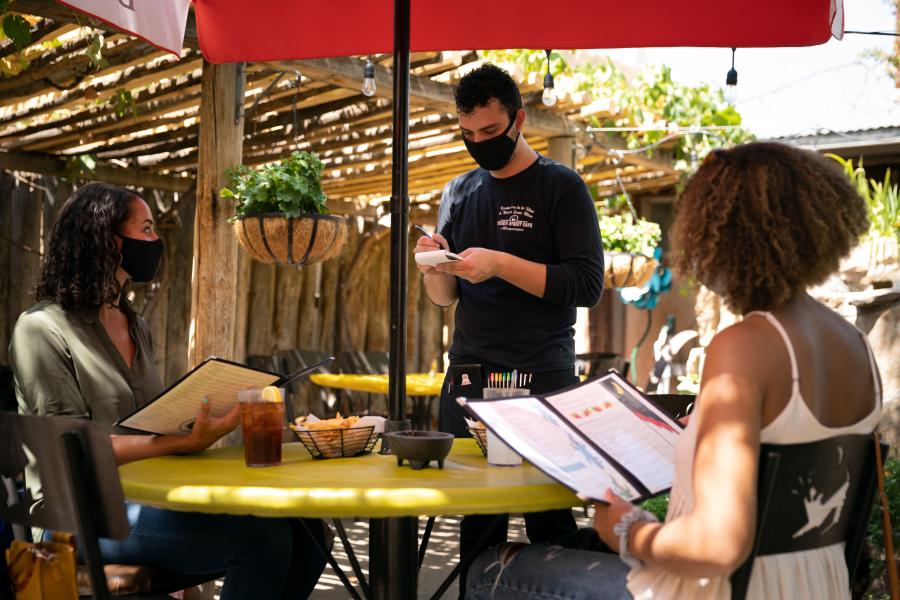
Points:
x=426 y=244
x=478 y=264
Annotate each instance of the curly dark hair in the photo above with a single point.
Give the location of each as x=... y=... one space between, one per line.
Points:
x=488 y=81
x=80 y=264
x=763 y=221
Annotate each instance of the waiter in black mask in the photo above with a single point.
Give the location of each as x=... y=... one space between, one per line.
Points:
x=527 y=230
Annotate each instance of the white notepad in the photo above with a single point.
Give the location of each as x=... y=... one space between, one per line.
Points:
x=436 y=257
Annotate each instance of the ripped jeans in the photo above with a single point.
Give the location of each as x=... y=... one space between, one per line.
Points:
x=540 y=572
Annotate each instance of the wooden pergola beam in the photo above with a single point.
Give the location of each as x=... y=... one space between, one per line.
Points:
x=46 y=164
x=347 y=72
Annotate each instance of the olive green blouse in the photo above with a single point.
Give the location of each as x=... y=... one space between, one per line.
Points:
x=66 y=364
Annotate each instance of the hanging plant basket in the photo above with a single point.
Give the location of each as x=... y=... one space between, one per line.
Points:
x=625 y=269
x=275 y=239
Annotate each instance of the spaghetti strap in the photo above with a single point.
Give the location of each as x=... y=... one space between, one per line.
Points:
x=873 y=366
x=795 y=370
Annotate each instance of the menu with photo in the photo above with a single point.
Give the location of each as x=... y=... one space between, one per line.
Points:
x=600 y=434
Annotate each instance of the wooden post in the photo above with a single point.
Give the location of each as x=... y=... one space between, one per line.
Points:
x=214 y=297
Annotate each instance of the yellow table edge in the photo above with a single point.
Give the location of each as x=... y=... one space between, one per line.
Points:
x=284 y=501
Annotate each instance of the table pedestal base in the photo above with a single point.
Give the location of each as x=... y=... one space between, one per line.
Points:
x=393 y=558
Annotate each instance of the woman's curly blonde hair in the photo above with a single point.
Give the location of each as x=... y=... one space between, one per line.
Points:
x=760 y=222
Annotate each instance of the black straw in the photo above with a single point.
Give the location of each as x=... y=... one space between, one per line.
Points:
x=301 y=372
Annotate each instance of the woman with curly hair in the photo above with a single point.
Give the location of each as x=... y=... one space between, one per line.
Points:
x=82 y=352
x=758 y=224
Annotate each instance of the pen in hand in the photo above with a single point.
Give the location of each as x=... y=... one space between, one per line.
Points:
x=428 y=235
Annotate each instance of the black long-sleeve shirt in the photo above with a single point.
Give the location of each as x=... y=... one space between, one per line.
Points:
x=543 y=214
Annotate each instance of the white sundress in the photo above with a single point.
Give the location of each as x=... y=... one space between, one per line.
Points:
x=818 y=574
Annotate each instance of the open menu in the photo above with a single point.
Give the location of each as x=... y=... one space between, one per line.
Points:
x=219 y=380
x=597 y=435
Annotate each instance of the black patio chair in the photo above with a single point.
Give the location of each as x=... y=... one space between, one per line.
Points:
x=674 y=405
x=7 y=389
x=323 y=402
x=81 y=493
x=837 y=473
x=597 y=363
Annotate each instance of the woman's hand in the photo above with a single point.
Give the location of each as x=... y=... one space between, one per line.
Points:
x=607 y=515
x=208 y=429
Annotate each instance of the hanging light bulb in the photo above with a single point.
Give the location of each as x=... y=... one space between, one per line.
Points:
x=549 y=95
x=731 y=91
x=368 y=86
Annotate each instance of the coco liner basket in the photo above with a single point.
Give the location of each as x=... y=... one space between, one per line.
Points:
x=338 y=443
x=480 y=435
x=275 y=239
x=624 y=269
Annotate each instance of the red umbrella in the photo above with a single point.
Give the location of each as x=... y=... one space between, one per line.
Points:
x=233 y=30
x=266 y=30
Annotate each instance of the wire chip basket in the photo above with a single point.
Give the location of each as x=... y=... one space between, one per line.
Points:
x=338 y=443
x=480 y=435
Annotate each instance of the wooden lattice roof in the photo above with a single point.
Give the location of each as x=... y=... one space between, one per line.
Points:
x=137 y=115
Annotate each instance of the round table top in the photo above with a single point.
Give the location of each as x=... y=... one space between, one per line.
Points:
x=216 y=481
x=417 y=384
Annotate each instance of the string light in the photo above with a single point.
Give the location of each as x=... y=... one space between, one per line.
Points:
x=731 y=92
x=549 y=95
x=368 y=86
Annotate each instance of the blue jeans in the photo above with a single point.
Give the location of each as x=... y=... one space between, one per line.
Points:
x=540 y=572
x=261 y=557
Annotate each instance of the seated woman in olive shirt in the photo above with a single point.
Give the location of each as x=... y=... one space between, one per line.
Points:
x=81 y=351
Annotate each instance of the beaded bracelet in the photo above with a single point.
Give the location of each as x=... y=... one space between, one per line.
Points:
x=623 y=530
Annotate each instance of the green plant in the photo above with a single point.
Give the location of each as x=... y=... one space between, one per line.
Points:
x=652 y=99
x=291 y=186
x=621 y=233
x=882 y=199
x=657 y=505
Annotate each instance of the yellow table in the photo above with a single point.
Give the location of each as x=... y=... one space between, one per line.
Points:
x=216 y=481
x=417 y=384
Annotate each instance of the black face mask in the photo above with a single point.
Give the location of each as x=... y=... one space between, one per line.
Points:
x=493 y=154
x=140 y=258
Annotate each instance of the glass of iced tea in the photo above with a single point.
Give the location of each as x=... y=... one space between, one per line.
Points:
x=262 y=421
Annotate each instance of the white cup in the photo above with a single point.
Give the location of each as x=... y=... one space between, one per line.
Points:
x=498 y=453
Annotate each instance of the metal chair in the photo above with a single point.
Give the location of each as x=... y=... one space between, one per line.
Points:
x=81 y=492
x=328 y=400
x=598 y=363
x=836 y=473
x=674 y=405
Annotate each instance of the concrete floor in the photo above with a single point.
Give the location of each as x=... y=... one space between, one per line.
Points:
x=442 y=556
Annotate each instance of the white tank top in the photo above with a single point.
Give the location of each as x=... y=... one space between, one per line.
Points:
x=819 y=574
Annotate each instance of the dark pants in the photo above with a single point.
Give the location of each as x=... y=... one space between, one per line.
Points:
x=547 y=526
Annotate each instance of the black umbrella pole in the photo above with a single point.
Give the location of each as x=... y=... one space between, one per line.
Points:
x=399 y=223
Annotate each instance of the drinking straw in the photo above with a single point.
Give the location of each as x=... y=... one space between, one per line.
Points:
x=301 y=372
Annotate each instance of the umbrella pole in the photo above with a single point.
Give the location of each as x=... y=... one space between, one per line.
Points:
x=399 y=218
x=392 y=541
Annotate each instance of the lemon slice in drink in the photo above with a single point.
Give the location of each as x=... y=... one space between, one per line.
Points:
x=271 y=393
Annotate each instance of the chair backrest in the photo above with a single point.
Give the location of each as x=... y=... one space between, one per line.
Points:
x=79 y=482
x=7 y=389
x=674 y=405
x=303 y=389
x=597 y=363
x=367 y=363
x=810 y=496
